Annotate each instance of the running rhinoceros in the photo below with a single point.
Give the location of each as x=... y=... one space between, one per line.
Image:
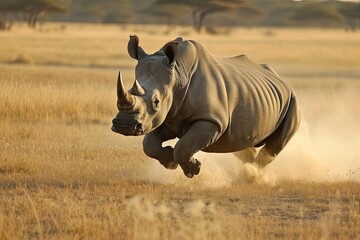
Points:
x=211 y=104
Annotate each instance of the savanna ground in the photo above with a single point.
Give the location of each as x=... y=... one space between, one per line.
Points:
x=65 y=175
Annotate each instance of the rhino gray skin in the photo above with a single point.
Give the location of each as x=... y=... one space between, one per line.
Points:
x=211 y=104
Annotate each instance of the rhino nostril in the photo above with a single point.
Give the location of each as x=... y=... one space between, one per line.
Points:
x=138 y=128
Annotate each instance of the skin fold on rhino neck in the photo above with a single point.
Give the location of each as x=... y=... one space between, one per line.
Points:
x=185 y=67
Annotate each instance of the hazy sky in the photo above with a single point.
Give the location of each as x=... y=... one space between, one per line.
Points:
x=338 y=0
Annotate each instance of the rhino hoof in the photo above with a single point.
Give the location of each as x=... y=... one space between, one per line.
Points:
x=192 y=169
x=189 y=175
x=171 y=165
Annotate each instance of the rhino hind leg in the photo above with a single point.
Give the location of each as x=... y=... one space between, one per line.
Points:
x=278 y=140
x=247 y=156
x=265 y=157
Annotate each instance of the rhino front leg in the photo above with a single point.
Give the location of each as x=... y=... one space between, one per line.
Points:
x=200 y=135
x=153 y=148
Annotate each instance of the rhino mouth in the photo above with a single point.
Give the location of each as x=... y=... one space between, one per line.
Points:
x=135 y=129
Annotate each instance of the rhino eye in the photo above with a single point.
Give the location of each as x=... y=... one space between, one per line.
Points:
x=156 y=103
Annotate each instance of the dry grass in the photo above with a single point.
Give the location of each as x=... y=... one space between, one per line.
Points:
x=31 y=100
x=145 y=211
x=65 y=175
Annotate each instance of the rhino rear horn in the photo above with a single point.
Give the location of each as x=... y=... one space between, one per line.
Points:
x=137 y=89
x=135 y=51
x=125 y=99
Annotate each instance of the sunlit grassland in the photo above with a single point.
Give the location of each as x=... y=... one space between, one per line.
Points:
x=96 y=45
x=65 y=175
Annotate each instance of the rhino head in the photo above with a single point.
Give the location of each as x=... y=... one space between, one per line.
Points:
x=145 y=106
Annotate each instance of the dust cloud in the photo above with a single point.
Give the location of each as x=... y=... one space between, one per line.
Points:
x=217 y=170
x=327 y=145
x=325 y=148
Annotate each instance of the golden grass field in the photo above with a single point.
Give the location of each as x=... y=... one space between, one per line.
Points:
x=65 y=175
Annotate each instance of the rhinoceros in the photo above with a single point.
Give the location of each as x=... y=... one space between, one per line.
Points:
x=210 y=104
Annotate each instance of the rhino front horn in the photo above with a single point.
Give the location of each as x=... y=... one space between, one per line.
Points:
x=125 y=99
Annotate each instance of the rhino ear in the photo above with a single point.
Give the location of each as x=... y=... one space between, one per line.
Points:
x=171 y=51
x=135 y=51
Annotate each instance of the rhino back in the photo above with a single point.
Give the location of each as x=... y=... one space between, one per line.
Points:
x=246 y=101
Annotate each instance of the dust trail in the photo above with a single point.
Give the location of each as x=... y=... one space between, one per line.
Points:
x=325 y=148
x=217 y=170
